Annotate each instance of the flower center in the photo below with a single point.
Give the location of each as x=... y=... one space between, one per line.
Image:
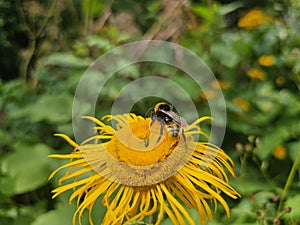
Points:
x=142 y=144
x=139 y=153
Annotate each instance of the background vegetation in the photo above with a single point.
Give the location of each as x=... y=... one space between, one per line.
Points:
x=251 y=46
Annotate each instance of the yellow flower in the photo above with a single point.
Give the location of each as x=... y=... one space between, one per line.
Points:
x=279 y=152
x=256 y=74
x=208 y=94
x=137 y=181
x=242 y=103
x=252 y=19
x=266 y=60
x=280 y=80
x=220 y=83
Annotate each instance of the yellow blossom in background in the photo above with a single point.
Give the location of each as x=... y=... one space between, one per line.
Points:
x=208 y=94
x=242 y=103
x=279 y=152
x=220 y=83
x=266 y=60
x=252 y=19
x=137 y=181
x=215 y=86
x=280 y=80
x=255 y=73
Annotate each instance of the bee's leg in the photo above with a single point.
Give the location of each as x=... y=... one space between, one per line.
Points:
x=160 y=134
x=183 y=135
x=153 y=119
x=146 y=142
x=184 y=139
x=151 y=123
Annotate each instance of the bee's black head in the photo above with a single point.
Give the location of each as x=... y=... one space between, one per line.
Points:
x=162 y=106
x=165 y=107
x=160 y=109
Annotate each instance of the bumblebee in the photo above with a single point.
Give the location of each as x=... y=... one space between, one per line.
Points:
x=174 y=124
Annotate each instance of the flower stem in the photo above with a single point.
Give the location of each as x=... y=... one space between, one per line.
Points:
x=288 y=183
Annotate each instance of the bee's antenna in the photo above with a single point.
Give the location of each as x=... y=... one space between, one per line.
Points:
x=147 y=112
x=171 y=107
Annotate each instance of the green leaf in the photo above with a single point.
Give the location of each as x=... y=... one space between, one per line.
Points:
x=225 y=54
x=293 y=149
x=229 y=8
x=272 y=138
x=4 y=137
x=203 y=11
x=241 y=211
x=100 y=42
x=293 y=202
x=65 y=59
x=52 y=108
x=291 y=102
x=22 y=220
x=26 y=169
x=60 y=216
x=131 y=71
x=189 y=85
x=92 y=8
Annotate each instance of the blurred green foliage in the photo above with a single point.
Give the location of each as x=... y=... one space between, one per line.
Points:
x=258 y=69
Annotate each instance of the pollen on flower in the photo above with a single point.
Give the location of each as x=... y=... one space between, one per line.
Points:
x=136 y=181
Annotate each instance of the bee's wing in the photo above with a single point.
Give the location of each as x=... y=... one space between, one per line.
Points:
x=183 y=121
x=177 y=119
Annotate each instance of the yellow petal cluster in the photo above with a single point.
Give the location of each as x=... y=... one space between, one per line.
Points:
x=242 y=103
x=256 y=73
x=252 y=19
x=266 y=60
x=280 y=152
x=136 y=182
